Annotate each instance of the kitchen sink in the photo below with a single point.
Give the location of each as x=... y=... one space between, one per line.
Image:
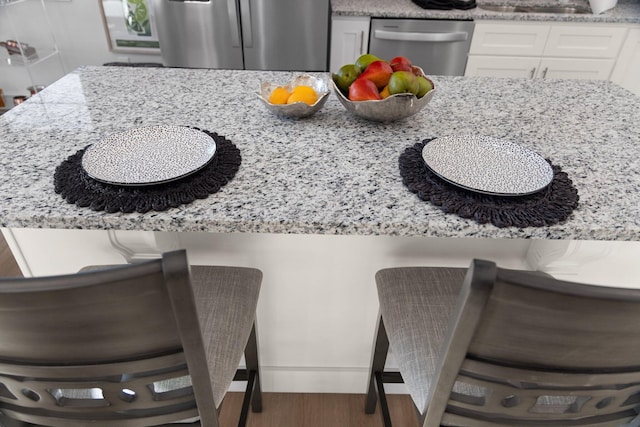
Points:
x=535 y=9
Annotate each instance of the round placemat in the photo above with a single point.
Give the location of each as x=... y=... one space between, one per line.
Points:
x=77 y=187
x=549 y=206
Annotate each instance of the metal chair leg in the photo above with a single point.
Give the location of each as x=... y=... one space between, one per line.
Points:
x=380 y=350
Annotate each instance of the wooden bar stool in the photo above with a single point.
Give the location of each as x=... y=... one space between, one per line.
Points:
x=138 y=345
x=496 y=347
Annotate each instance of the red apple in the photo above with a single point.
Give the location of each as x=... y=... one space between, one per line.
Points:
x=378 y=72
x=401 y=63
x=363 y=90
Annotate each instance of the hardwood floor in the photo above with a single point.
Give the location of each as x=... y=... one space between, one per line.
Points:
x=288 y=409
x=317 y=410
x=8 y=265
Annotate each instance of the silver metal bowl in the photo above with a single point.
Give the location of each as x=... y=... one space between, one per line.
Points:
x=395 y=107
x=297 y=109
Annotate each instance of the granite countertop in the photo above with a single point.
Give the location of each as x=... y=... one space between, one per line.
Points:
x=331 y=173
x=626 y=11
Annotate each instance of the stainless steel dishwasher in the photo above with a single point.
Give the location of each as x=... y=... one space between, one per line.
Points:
x=439 y=47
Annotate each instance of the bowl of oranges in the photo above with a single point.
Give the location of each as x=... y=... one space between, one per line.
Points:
x=301 y=97
x=380 y=90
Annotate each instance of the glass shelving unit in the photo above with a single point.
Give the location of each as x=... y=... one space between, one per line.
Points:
x=27 y=22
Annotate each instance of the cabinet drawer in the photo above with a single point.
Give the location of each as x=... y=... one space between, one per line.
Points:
x=581 y=41
x=561 y=68
x=522 y=39
x=501 y=66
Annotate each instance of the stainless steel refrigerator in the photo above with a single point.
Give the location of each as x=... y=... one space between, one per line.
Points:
x=244 y=34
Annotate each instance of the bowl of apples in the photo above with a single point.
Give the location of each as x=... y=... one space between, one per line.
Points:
x=382 y=91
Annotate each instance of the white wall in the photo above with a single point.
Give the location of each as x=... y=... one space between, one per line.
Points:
x=79 y=31
x=81 y=37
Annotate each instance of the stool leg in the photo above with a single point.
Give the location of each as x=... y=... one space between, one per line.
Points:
x=380 y=350
x=253 y=393
x=253 y=366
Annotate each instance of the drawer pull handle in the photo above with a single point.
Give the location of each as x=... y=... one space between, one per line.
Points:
x=532 y=73
x=421 y=37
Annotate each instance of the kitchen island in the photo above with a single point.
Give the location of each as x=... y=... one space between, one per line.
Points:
x=319 y=204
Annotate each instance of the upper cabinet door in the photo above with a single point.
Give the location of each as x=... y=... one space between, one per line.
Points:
x=585 y=41
x=522 y=39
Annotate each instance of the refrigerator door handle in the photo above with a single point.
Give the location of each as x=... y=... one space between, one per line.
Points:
x=247 y=36
x=232 y=8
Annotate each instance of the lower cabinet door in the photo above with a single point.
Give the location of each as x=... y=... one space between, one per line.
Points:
x=627 y=67
x=349 y=40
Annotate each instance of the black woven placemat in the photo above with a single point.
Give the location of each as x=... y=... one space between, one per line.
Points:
x=446 y=4
x=75 y=186
x=550 y=206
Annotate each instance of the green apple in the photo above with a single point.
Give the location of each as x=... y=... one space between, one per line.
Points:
x=425 y=86
x=403 y=82
x=345 y=76
x=363 y=61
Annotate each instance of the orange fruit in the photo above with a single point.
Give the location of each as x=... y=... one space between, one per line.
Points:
x=304 y=94
x=279 y=95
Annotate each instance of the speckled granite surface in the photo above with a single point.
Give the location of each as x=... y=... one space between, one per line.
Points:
x=626 y=11
x=331 y=173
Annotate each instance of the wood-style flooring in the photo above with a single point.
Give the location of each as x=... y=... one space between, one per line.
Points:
x=8 y=265
x=288 y=409
x=317 y=410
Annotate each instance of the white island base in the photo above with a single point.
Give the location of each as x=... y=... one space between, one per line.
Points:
x=318 y=305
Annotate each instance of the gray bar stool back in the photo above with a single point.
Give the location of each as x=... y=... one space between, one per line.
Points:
x=496 y=347
x=137 y=345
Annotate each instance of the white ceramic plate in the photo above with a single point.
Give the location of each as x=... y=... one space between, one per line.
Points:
x=148 y=155
x=487 y=165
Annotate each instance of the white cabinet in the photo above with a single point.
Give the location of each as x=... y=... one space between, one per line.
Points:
x=534 y=67
x=27 y=22
x=627 y=69
x=349 y=39
x=575 y=68
x=502 y=66
x=492 y=38
x=544 y=50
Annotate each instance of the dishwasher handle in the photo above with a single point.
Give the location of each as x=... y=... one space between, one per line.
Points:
x=455 y=36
